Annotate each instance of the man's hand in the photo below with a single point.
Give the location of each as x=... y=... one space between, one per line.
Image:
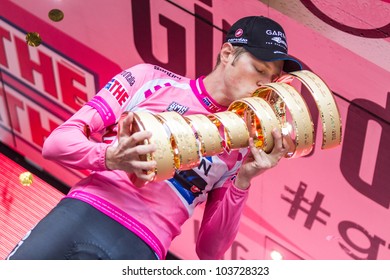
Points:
x=258 y=161
x=126 y=155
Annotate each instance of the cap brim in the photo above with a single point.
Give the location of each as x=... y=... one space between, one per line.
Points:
x=290 y=63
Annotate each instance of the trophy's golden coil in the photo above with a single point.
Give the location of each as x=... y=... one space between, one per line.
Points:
x=164 y=155
x=233 y=129
x=259 y=118
x=207 y=134
x=183 y=140
x=301 y=122
x=327 y=107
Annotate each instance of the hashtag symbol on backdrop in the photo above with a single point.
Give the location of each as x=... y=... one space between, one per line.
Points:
x=312 y=208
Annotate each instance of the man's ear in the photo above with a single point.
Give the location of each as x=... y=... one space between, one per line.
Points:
x=227 y=49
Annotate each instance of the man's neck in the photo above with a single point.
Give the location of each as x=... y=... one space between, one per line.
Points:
x=216 y=87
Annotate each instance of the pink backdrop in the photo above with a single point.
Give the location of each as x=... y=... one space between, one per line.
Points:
x=331 y=204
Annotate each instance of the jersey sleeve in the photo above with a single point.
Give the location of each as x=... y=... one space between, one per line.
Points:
x=122 y=92
x=220 y=221
x=222 y=214
x=70 y=145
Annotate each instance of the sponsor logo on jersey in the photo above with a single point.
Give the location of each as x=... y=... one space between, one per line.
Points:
x=189 y=184
x=118 y=91
x=210 y=104
x=168 y=73
x=181 y=109
x=129 y=77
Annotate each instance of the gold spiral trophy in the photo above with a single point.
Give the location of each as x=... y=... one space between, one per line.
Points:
x=182 y=140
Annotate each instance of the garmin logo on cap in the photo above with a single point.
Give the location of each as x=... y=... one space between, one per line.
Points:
x=275 y=33
x=279 y=41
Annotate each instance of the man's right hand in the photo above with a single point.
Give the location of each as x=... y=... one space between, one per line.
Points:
x=126 y=155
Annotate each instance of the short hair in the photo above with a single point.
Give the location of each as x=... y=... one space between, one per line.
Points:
x=238 y=50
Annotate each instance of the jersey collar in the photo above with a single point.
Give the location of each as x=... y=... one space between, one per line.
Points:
x=204 y=97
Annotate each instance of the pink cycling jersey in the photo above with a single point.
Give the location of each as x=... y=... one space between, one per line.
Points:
x=156 y=211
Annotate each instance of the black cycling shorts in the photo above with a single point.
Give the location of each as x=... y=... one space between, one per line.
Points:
x=74 y=230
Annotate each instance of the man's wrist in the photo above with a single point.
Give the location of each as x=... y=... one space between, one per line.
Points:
x=242 y=183
x=109 y=154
